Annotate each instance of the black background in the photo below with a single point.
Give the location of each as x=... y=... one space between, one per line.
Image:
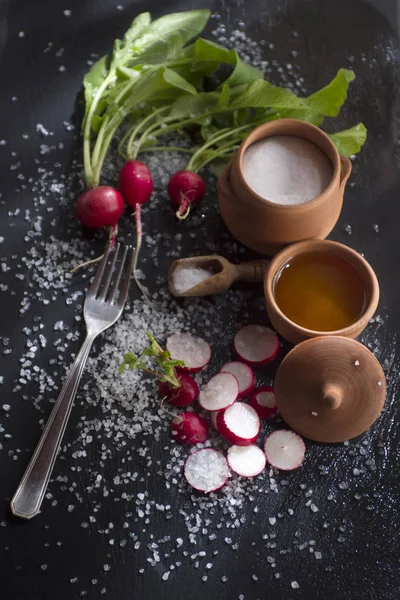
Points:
x=364 y=564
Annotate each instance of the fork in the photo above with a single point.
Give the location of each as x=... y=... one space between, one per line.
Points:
x=103 y=306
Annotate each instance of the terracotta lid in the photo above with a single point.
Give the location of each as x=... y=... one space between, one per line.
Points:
x=330 y=389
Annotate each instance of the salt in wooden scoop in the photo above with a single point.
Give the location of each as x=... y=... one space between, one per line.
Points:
x=211 y=275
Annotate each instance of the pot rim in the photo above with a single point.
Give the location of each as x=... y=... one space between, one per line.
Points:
x=366 y=272
x=277 y=125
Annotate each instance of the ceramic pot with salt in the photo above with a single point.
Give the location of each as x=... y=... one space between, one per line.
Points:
x=266 y=226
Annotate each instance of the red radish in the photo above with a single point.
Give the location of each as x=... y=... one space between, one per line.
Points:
x=136 y=185
x=100 y=206
x=263 y=401
x=189 y=428
x=284 y=450
x=194 y=351
x=256 y=344
x=213 y=419
x=219 y=393
x=239 y=424
x=247 y=461
x=206 y=470
x=183 y=395
x=186 y=189
x=243 y=374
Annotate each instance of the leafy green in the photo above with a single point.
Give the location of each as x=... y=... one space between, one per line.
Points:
x=329 y=100
x=351 y=140
x=165 y=365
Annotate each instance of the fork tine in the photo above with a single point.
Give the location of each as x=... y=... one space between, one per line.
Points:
x=94 y=288
x=110 y=269
x=128 y=271
x=114 y=288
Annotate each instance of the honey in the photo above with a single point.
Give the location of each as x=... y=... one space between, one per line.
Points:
x=320 y=291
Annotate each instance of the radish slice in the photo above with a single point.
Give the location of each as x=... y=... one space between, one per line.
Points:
x=256 y=344
x=189 y=428
x=206 y=470
x=194 y=351
x=213 y=418
x=239 y=424
x=243 y=373
x=263 y=401
x=220 y=392
x=284 y=450
x=247 y=461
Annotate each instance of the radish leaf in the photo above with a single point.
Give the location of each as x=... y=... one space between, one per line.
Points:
x=351 y=140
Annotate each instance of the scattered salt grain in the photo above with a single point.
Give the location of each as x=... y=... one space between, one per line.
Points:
x=295 y=585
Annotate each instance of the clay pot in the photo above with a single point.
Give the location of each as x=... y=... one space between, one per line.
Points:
x=267 y=226
x=293 y=332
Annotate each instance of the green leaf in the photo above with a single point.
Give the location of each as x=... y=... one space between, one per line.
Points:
x=93 y=79
x=177 y=81
x=329 y=100
x=351 y=140
x=262 y=94
x=196 y=105
x=208 y=51
x=122 y=49
x=224 y=96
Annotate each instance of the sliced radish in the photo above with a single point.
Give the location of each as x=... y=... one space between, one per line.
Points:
x=239 y=424
x=243 y=373
x=213 y=418
x=220 y=392
x=194 y=351
x=247 y=461
x=263 y=401
x=256 y=344
x=284 y=449
x=184 y=395
x=189 y=428
x=206 y=470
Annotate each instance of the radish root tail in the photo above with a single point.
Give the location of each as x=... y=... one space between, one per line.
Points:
x=139 y=234
x=112 y=236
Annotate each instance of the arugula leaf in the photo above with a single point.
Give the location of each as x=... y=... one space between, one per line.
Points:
x=351 y=140
x=329 y=100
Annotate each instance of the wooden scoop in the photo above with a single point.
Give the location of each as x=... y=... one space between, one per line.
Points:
x=222 y=274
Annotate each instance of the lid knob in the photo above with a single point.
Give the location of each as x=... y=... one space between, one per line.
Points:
x=332 y=396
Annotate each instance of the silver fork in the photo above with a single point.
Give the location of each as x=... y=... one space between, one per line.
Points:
x=104 y=303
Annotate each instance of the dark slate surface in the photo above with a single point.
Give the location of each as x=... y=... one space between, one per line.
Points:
x=360 y=546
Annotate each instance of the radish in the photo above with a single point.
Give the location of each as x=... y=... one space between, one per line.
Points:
x=186 y=189
x=206 y=470
x=219 y=393
x=183 y=395
x=239 y=424
x=247 y=461
x=256 y=344
x=136 y=185
x=213 y=419
x=194 y=351
x=189 y=428
x=263 y=401
x=100 y=206
x=284 y=450
x=243 y=374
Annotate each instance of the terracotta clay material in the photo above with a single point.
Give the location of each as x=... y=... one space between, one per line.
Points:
x=330 y=389
x=266 y=226
x=224 y=274
x=295 y=333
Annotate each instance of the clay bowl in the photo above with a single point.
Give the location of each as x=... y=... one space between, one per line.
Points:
x=265 y=226
x=295 y=333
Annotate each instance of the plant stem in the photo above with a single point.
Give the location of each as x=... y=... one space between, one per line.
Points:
x=166 y=149
x=138 y=128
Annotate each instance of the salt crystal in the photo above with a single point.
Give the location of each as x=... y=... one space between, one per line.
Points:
x=286 y=169
x=295 y=585
x=185 y=278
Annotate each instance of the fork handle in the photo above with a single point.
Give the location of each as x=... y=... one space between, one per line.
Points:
x=30 y=492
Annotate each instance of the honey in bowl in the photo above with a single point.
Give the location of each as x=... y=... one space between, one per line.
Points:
x=320 y=291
